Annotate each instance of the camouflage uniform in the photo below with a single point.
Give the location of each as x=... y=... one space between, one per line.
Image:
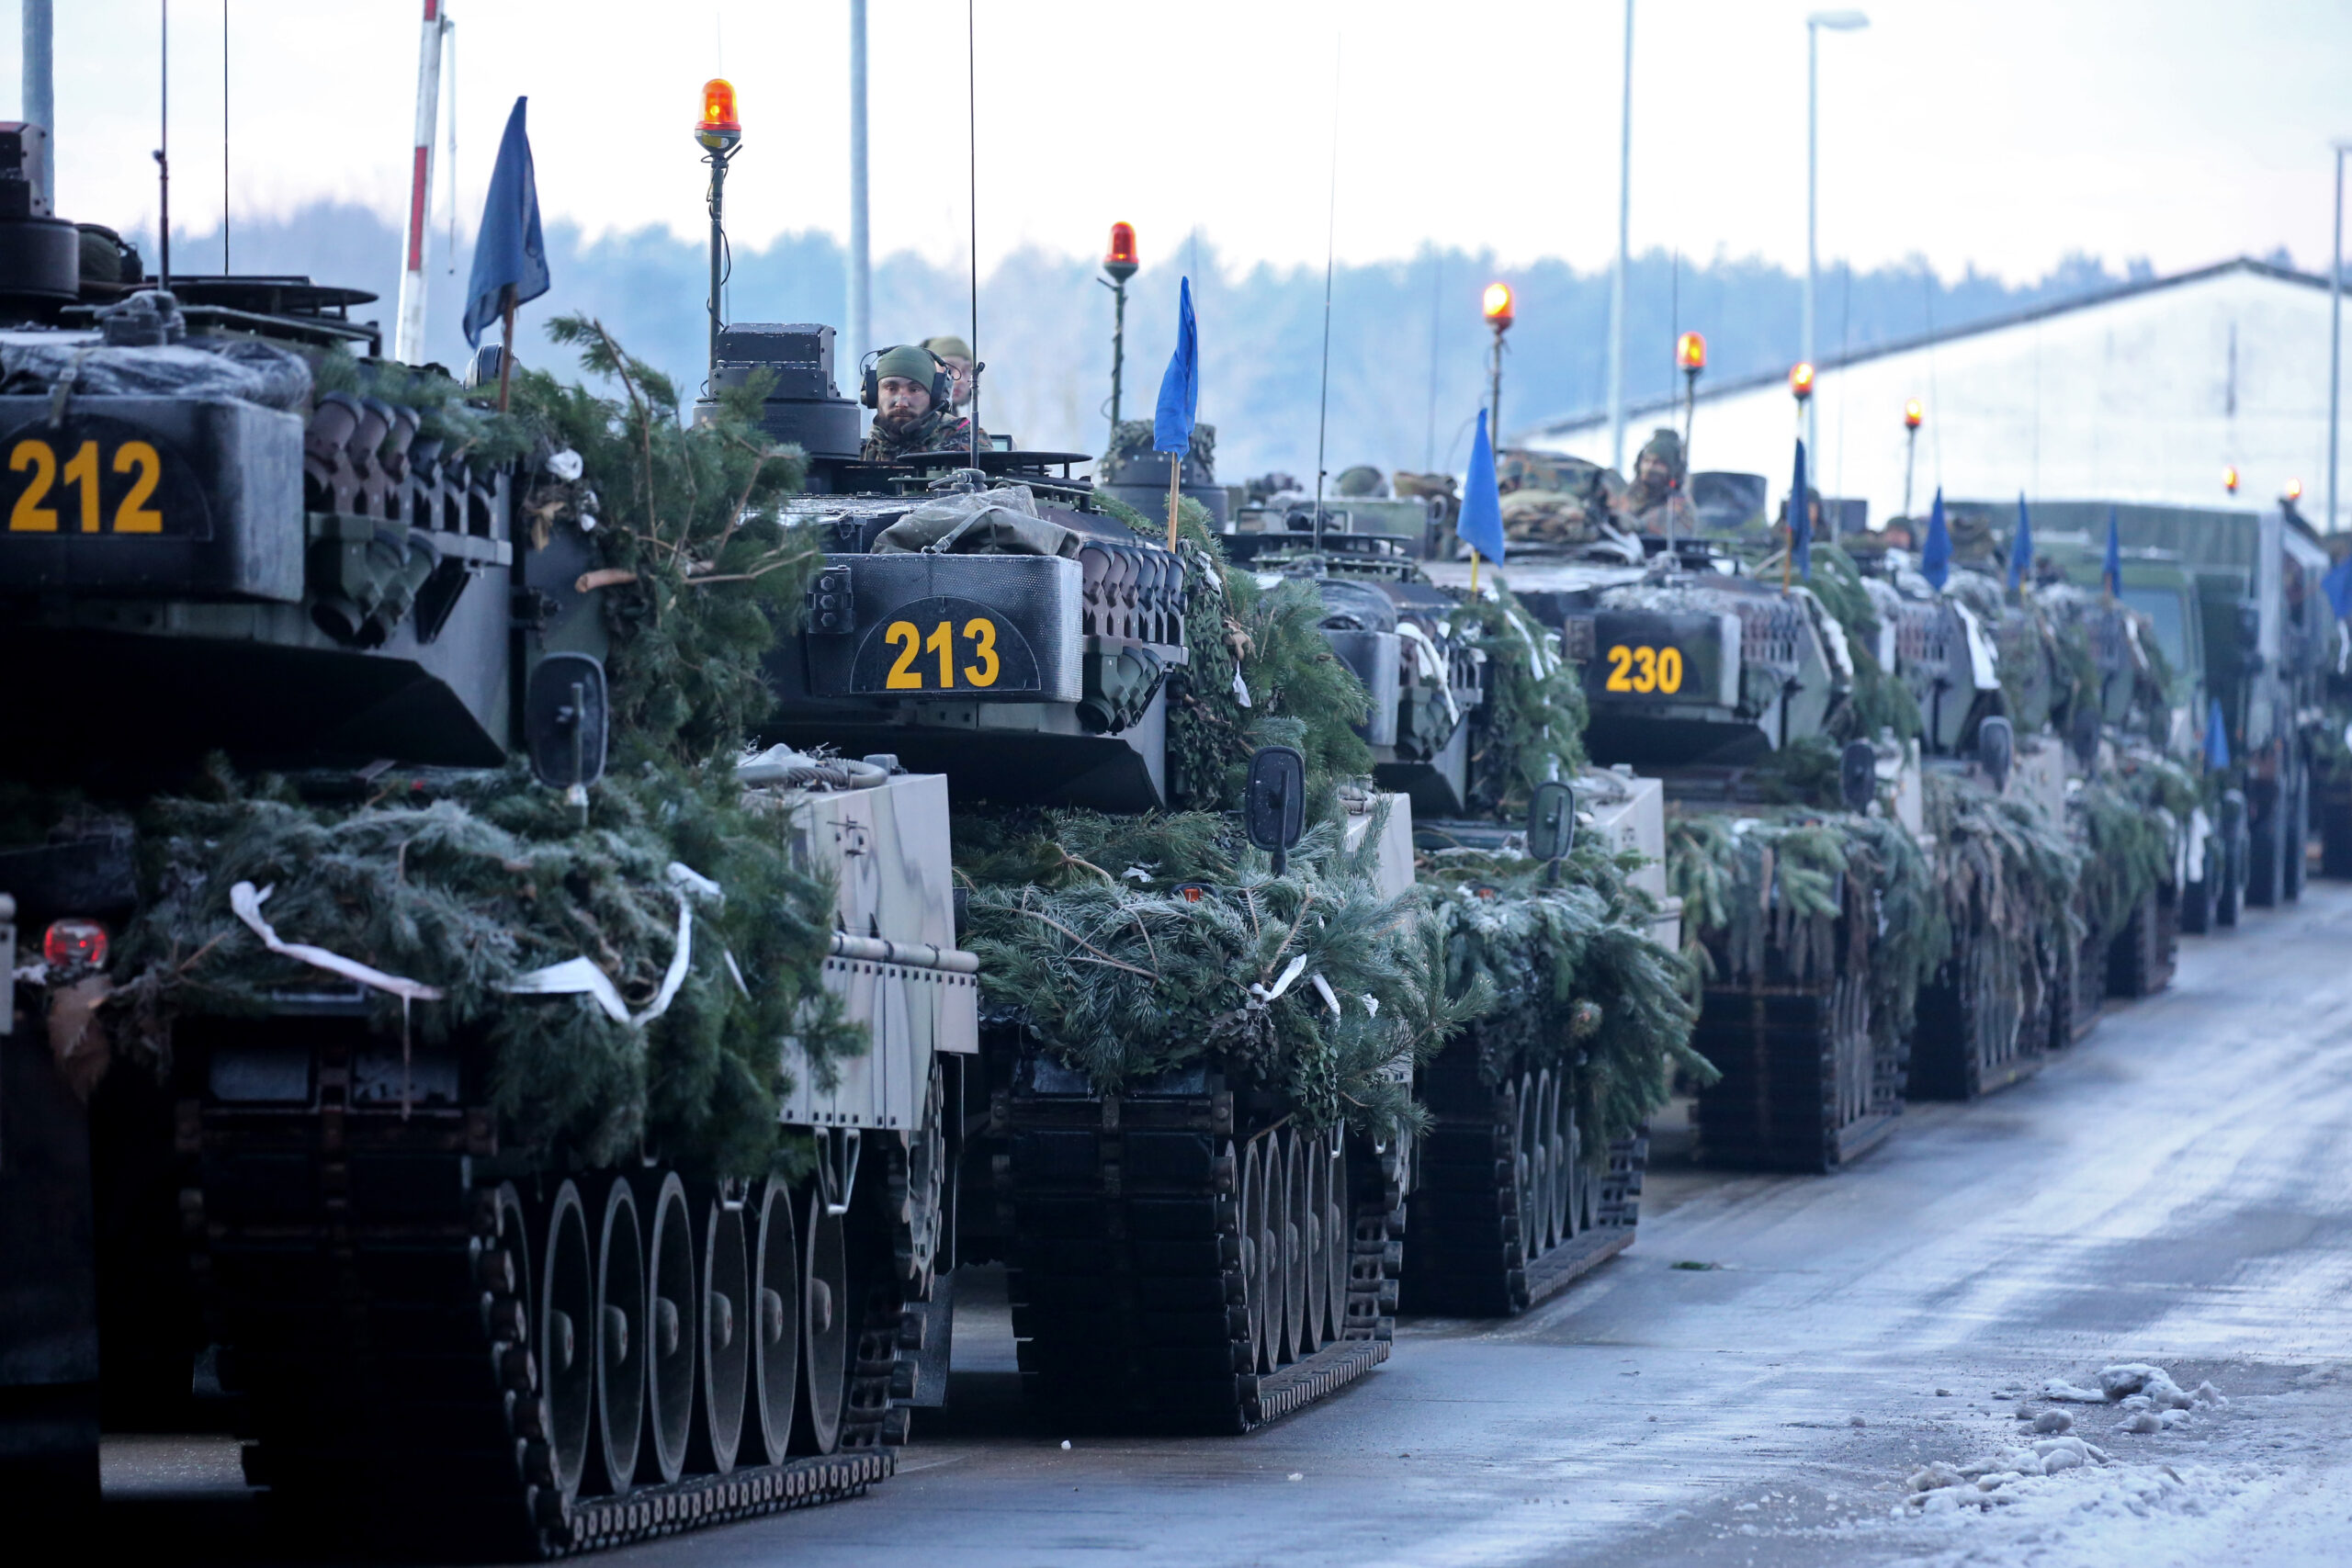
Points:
x=938 y=430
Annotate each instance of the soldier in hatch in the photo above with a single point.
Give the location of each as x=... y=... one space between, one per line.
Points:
x=956 y=355
x=1656 y=502
x=906 y=389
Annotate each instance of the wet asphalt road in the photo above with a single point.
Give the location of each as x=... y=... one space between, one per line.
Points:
x=2178 y=1188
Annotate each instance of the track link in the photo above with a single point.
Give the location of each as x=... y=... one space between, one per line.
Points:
x=1981 y=1024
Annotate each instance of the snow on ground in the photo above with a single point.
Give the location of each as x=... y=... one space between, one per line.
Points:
x=2149 y=1475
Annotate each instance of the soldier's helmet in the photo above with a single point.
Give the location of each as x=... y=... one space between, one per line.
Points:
x=1666 y=447
x=1363 y=479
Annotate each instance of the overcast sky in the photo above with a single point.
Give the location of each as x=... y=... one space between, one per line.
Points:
x=1996 y=133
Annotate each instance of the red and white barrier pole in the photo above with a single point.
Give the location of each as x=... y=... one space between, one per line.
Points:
x=408 y=332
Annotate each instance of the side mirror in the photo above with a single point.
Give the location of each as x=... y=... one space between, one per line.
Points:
x=565 y=715
x=1551 y=821
x=1857 y=774
x=2083 y=734
x=1996 y=749
x=1273 y=803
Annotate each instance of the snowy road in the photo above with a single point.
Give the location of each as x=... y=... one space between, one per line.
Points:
x=2178 y=1190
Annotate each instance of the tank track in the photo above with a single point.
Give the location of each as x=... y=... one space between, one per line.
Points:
x=1501 y=1220
x=1805 y=1088
x=2334 y=800
x=368 y=1268
x=1159 y=1281
x=1979 y=1027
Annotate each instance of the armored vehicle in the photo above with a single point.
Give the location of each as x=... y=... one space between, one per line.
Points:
x=1715 y=679
x=427 y=1327
x=1183 y=1251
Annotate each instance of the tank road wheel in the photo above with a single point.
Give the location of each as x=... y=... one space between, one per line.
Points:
x=1553 y=1152
x=1534 y=1136
x=670 y=1322
x=1253 y=1249
x=620 y=1338
x=1578 y=1185
x=1297 y=1222
x=826 y=1314
x=567 y=1349
x=1312 y=1161
x=776 y=1319
x=723 y=1321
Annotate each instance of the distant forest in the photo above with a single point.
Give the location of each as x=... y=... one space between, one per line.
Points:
x=1407 y=349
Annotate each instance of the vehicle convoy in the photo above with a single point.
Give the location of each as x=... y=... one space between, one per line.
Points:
x=374 y=1050
x=1530 y=1171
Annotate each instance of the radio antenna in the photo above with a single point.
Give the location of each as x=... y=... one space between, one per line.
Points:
x=163 y=152
x=224 y=137
x=1330 y=246
x=972 y=204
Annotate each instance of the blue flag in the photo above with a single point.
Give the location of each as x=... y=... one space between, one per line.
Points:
x=1801 y=519
x=2021 y=546
x=1935 y=556
x=509 y=251
x=2217 y=737
x=1480 y=527
x=2112 y=572
x=1180 y=390
x=2337 y=586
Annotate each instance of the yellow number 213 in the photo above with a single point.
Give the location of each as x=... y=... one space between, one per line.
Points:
x=909 y=640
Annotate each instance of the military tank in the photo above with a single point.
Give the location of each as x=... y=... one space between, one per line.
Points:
x=1726 y=686
x=1184 y=1249
x=1523 y=1184
x=427 y=1328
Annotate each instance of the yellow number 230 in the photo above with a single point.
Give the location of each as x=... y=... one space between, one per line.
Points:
x=1644 y=670
x=910 y=642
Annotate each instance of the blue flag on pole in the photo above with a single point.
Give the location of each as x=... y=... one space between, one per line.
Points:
x=2337 y=585
x=509 y=251
x=1935 y=556
x=2021 y=546
x=2111 y=570
x=1179 y=389
x=1801 y=519
x=1480 y=527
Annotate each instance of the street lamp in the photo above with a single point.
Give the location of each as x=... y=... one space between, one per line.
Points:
x=1914 y=412
x=1118 y=265
x=2230 y=478
x=1497 y=305
x=1837 y=22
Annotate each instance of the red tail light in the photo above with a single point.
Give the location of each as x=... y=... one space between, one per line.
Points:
x=70 y=944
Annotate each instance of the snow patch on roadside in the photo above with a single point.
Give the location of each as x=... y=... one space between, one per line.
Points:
x=2188 y=1478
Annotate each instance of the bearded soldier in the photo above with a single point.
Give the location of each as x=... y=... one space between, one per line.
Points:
x=906 y=389
x=1656 y=502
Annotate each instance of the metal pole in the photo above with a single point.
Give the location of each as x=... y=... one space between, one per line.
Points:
x=408 y=331
x=1910 y=461
x=1119 y=349
x=164 y=151
x=1811 y=181
x=1616 y=278
x=2335 y=335
x=1495 y=397
x=861 y=268
x=41 y=92
x=718 y=248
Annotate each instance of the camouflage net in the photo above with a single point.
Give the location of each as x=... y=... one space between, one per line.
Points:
x=2007 y=872
x=1139 y=945
x=1532 y=726
x=1577 y=981
x=1881 y=704
x=1796 y=896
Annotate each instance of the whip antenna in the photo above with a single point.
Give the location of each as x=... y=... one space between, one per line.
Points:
x=972 y=203
x=1330 y=242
